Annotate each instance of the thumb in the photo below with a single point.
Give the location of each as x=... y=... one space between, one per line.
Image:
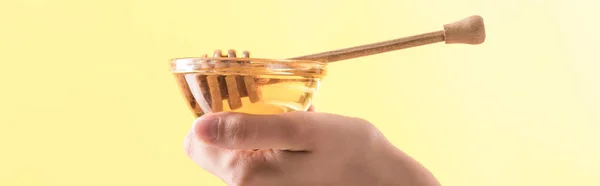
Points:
x=297 y=131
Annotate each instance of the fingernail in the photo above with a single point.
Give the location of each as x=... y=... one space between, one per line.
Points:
x=207 y=128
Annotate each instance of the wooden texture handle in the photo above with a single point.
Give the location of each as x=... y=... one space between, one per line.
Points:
x=470 y=30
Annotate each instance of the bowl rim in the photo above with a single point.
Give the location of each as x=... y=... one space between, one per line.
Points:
x=195 y=64
x=238 y=59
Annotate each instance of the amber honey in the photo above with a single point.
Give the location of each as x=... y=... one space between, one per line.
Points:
x=253 y=86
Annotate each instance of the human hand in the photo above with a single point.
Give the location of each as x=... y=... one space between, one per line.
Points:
x=300 y=149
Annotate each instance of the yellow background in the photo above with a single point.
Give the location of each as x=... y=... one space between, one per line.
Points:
x=87 y=97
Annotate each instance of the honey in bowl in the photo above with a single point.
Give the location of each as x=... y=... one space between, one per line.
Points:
x=247 y=85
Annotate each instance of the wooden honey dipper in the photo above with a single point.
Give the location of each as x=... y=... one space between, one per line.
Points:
x=470 y=30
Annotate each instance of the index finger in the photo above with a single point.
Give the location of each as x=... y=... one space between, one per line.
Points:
x=245 y=131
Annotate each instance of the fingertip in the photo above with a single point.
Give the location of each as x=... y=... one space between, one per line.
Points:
x=311 y=108
x=207 y=127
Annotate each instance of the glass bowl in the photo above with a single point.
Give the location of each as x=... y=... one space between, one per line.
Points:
x=247 y=85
